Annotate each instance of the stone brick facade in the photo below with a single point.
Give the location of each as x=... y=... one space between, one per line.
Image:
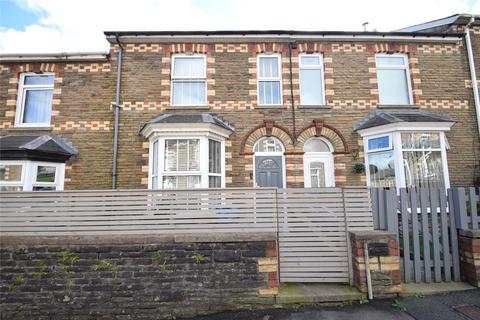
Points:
x=135 y=277
x=469 y=249
x=84 y=95
x=384 y=270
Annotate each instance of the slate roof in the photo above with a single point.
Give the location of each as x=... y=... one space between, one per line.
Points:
x=192 y=118
x=28 y=146
x=380 y=118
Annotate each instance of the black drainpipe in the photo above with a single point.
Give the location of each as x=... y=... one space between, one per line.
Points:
x=117 y=114
x=292 y=45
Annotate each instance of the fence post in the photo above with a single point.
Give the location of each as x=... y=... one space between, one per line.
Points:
x=454 y=236
x=375 y=208
x=347 y=236
x=459 y=204
x=473 y=207
x=390 y=205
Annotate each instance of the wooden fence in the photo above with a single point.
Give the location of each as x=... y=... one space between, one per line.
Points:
x=313 y=232
x=426 y=221
x=312 y=224
x=138 y=212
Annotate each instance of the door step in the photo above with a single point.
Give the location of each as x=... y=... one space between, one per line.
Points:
x=316 y=293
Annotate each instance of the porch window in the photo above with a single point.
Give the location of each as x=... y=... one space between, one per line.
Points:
x=393 y=79
x=269 y=76
x=311 y=80
x=187 y=163
x=34 y=102
x=31 y=176
x=189 y=80
x=407 y=159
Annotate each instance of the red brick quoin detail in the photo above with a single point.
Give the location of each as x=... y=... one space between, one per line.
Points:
x=469 y=248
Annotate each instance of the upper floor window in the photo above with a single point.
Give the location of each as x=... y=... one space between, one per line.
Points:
x=393 y=77
x=189 y=80
x=34 y=102
x=269 y=79
x=311 y=79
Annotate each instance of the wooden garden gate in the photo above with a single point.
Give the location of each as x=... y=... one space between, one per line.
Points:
x=426 y=222
x=313 y=227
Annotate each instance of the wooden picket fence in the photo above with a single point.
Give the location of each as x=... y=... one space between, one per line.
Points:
x=427 y=222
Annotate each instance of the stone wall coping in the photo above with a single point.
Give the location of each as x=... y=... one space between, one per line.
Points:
x=374 y=235
x=470 y=233
x=136 y=239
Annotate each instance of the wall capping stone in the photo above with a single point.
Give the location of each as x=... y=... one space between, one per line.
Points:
x=138 y=239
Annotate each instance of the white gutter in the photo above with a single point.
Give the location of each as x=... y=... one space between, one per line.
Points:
x=278 y=38
x=46 y=57
x=473 y=74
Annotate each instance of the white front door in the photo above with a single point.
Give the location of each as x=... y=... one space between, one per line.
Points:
x=318 y=170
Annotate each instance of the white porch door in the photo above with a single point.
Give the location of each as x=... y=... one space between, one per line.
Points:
x=318 y=170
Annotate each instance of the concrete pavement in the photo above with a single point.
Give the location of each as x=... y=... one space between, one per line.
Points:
x=460 y=305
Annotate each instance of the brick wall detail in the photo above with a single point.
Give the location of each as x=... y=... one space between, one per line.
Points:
x=385 y=270
x=469 y=249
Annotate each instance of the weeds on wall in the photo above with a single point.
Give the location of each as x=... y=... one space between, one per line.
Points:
x=105 y=265
x=159 y=259
x=198 y=257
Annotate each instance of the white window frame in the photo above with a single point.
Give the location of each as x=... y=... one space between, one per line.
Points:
x=390 y=143
x=203 y=79
x=270 y=153
x=405 y=67
x=396 y=133
x=22 y=89
x=222 y=163
x=325 y=157
x=279 y=78
x=203 y=171
x=29 y=174
x=310 y=67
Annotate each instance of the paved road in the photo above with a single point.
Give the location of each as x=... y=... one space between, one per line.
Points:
x=437 y=307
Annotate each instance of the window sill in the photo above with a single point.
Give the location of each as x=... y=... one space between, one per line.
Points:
x=271 y=106
x=398 y=106
x=47 y=128
x=320 y=106
x=188 y=107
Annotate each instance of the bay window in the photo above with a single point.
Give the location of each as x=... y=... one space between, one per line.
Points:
x=187 y=163
x=422 y=159
x=34 y=100
x=407 y=159
x=31 y=175
x=186 y=151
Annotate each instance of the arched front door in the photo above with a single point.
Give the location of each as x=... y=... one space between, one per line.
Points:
x=318 y=164
x=269 y=163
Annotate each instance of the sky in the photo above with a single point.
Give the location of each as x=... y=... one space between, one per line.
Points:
x=47 y=26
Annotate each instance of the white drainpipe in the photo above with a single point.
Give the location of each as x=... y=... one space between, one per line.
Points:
x=473 y=74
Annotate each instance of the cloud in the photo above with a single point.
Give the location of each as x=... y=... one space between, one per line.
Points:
x=78 y=25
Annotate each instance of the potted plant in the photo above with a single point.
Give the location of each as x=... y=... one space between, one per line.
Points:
x=359 y=167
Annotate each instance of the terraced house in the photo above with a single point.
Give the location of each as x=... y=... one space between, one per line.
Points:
x=247 y=108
